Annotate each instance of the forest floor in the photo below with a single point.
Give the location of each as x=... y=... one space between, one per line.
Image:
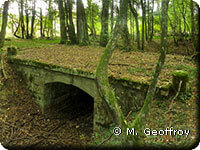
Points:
x=133 y=65
x=23 y=124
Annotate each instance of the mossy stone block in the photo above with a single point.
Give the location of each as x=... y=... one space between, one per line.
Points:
x=177 y=76
x=11 y=51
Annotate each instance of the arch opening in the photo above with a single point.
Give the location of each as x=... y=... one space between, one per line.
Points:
x=69 y=103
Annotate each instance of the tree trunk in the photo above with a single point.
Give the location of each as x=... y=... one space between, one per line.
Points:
x=112 y=12
x=124 y=32
x=198 y=43
x=104 y=23
x=107 y=93
x=3 y=34
x=192 y=24
x=4 y=24
x=27 y=20
x=62 y=22
x=93 y=27
x=50 y=25
x=143 y=19
x=135 y=14
x=152 y=21
x=82 y=28
x=33 y=18
x=132 y=26
x=151 y=90
x=72 y=35
x=22 y=18
x=149 y=27
x=67 y=18
x=41 y=24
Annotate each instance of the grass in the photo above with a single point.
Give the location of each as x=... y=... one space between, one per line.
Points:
x=192 y=71
x=133 y=70
x=34 y=43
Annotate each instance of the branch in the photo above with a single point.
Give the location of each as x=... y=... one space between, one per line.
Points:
x=179 y=88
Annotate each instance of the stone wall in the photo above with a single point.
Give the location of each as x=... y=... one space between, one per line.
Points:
x=43 y=80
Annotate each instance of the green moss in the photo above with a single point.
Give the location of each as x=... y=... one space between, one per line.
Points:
x=181 y=74
x=166 y=87
x=52 y=67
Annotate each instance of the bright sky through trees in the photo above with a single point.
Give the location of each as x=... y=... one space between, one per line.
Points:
x=39 y=4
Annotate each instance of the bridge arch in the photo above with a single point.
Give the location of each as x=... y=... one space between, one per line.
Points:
x=68 y=101
x=85 y=84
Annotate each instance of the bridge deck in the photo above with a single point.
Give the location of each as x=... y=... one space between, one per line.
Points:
x=135 y=66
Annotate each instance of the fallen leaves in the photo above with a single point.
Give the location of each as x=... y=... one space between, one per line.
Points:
x=86 y=58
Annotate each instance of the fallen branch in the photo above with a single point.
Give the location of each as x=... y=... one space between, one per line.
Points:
x=179 y=88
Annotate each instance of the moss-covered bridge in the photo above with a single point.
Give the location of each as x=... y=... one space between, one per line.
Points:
x=52 y=84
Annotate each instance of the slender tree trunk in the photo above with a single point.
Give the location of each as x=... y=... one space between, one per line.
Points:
x=67 y=18
x=184 y=19
x=82 y=28
x=3 y=34
x=45 y=27
x=50 y=24
x=149 y=27
x=192 y=24
x=107 y=93
x=62 y=22
x=135 y=14
x=104 y=23
x=72 y=35
x=173 y=27
x=93 y=27
x=198 y=43
x=132 y=29
x=125 y=33
x=112 y=13
x=33 y=18
x=27 y=20
x=151 y=90
x=22 y=18
x=152 y=21
x=41 y=24
x=4 y=24
x=143 y=19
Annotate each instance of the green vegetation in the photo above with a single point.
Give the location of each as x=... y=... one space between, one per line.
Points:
x=34 y=43
x=190 y=69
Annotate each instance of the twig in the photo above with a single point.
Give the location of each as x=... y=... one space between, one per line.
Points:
x=179 y=88
x=119 y=64
x=7 y=123
x=128 y=114
x=106 y=139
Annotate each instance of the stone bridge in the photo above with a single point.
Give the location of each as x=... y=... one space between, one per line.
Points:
x=51 y=84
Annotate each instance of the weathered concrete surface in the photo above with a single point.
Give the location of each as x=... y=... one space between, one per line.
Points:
x=43 y=78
